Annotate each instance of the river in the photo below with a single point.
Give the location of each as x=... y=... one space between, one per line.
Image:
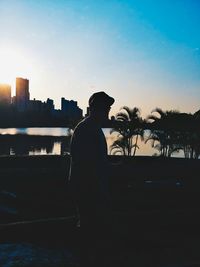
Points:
x=51 y=141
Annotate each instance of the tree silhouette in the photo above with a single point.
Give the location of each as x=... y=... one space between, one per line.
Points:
x=163 y=134
x=172 y=131
x=196 y=134
x=129 y=128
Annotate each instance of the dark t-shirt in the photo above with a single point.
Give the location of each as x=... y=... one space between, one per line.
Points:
x=89 y=165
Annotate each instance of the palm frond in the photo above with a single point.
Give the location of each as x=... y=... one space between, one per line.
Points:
x=159 y=111
x=135 y=145
x=152 y=117
x=121 y=116
x=116 y=152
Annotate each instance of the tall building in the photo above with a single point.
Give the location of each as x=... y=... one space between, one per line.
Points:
x=70 y=109
x=35 y=105
x=5 y=94
x=22 y=94
x=49 y=105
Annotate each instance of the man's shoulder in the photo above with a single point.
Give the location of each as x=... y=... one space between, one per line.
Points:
x=83 y=126
x=87 y=127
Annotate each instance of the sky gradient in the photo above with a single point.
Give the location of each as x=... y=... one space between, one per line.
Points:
x=143 y=53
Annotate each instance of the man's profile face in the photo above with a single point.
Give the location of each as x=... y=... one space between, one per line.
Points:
x=104 y=112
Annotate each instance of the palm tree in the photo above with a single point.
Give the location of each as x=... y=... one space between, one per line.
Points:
x=128 y=126
x=119 y=146
x=189 y=134
x=196 y=127
x=165 y=131
x=172 y=131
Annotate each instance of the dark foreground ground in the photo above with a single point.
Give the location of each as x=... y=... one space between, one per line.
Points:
x=156 y=213
x=55 y=243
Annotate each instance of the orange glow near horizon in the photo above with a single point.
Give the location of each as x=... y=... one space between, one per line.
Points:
x=14 y=63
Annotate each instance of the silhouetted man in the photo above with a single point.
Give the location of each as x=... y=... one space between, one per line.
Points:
x=89 y=178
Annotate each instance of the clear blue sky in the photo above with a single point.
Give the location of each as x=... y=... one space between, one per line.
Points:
x=143 y=53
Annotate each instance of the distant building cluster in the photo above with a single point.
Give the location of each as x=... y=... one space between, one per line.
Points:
x=21 y=101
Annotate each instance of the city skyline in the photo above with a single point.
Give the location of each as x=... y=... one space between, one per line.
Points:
x=20 y=110
x=143 y=54
x=22 y=94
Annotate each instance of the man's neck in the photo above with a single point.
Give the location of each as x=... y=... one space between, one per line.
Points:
x=95 y=120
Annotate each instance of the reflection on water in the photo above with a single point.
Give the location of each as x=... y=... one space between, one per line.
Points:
x=50 y=131
x=33 y=145
x=34 y=141
x=39 y=141
x=54 y=140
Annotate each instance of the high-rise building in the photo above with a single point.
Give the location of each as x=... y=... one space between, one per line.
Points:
x=35 y=105
x=70 y=109
x=22 y=94
x=5 y=94
x=49 y=105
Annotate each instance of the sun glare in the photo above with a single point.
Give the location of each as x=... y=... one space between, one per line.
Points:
x=13 y=63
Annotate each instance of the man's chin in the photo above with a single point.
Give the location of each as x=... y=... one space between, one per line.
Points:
x=104 y=121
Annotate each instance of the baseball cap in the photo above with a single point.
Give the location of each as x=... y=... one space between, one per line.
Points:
x=100 y=99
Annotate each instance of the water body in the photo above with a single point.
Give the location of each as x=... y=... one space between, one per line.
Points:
x=34 y=141
x=38 y=131
x=51 y=141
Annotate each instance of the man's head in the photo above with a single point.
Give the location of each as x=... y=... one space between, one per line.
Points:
x=100 y=104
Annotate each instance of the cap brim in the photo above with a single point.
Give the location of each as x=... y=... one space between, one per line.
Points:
x=111 y=101
x=101 y=99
